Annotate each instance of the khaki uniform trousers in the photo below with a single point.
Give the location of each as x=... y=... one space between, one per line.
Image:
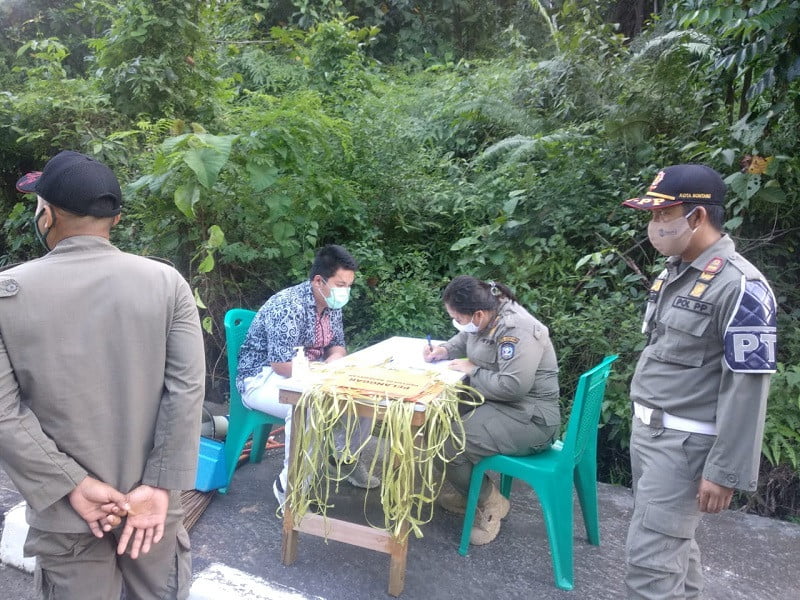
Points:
x=663 y=559
x=78 y=566
x=488 y=431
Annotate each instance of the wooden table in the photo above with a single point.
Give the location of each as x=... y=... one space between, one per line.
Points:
x=403 y=352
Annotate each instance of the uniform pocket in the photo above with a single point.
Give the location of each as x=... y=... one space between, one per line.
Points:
x=661 y=543
x=46 y=544
x=669 y=521
x=683 y=341
x=483 y=354
x=517 y=438
x=183 y=563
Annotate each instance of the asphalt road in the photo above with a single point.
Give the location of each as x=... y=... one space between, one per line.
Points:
x=745 y=557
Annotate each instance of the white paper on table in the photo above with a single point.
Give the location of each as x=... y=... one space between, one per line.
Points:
x=402 y=353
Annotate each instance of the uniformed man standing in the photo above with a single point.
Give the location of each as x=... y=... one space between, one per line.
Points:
x=700 y=388
x=102 y=375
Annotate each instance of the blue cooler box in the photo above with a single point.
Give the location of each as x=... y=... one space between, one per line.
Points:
x=211 y=473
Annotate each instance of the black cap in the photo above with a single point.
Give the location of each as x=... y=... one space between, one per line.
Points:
x=696 y=184
x=77 y=183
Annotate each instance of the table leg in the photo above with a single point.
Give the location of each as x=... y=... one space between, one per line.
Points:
x=290 y=535
x=290 y=538
x=397 y=562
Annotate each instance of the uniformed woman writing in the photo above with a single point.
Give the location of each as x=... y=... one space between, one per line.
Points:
x=511 y=361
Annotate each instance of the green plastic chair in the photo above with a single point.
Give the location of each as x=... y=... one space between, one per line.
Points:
x=551 y=474
x=242 y=422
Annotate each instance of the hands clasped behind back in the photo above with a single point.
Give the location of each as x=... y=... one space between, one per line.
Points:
x=143 y=509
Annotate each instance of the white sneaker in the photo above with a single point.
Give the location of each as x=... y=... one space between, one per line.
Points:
x=280 y=493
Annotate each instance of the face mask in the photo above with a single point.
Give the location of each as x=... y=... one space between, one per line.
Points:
x=671 y=238
x=338 y=297
x=41 y=236
x=468 y=328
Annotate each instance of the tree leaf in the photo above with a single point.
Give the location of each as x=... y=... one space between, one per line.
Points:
x=197 y=300
x=283 y=231
x=216 y=237
x=464 y=243
x=772 y=193
x=208 y=325
x=206 y=164
x=207 y=264
x=745 y=185
x=186 y=196
x=261 y=176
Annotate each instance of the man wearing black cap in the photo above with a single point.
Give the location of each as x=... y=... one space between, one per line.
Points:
x=101 y=385
x=700 y=387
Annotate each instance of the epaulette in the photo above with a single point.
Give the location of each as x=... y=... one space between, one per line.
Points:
x=706 y=276
x=162 y=260
x=745 y=267
x=10 y=266
x=655 y=289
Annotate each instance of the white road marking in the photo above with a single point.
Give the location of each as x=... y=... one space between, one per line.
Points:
x=219 y=582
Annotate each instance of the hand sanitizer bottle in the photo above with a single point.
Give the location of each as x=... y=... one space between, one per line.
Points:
x=300 y=367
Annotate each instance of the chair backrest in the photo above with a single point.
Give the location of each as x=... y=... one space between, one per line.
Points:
x=581 y=431
x=237 y=323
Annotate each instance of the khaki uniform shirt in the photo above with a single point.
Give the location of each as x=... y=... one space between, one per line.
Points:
x=102 y=373
x=516 y=365
x=711 y=349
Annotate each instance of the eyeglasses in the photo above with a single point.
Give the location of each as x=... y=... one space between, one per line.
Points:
x=661 y=215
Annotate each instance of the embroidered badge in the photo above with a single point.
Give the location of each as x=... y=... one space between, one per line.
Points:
x=711 y=269
x=507 y=350
x=659 y=176
x=698 y=290
x=714 y=265
x=509 y=338
x=655 y=289
x=698 y=306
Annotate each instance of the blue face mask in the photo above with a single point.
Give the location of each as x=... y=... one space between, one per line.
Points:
x=338 y=297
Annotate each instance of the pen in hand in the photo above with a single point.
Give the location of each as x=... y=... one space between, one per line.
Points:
x=430 y=345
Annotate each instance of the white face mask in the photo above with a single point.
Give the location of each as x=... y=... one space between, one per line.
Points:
x=671 y=238
x=338 y=297
x=468 y=328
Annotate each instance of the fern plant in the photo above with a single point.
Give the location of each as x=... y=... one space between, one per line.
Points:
x=782 y=426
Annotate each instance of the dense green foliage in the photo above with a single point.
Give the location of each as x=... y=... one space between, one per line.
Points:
x=431 y=139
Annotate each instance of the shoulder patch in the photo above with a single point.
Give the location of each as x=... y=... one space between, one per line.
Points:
x=507 y=350
x=751 y=336
x=508 y=338
x=8 y=287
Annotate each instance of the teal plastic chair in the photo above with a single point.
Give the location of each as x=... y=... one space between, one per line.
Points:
x=551 y=475
x=243 y=423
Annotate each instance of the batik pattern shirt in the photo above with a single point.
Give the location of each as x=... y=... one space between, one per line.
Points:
x=287 y=320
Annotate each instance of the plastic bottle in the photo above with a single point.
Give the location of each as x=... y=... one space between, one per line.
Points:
x=300 y=367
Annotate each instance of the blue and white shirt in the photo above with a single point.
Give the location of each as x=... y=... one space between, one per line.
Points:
x=287 y=320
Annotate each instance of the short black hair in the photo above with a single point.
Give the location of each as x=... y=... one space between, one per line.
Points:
x=330 y=259
x=715 y=212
